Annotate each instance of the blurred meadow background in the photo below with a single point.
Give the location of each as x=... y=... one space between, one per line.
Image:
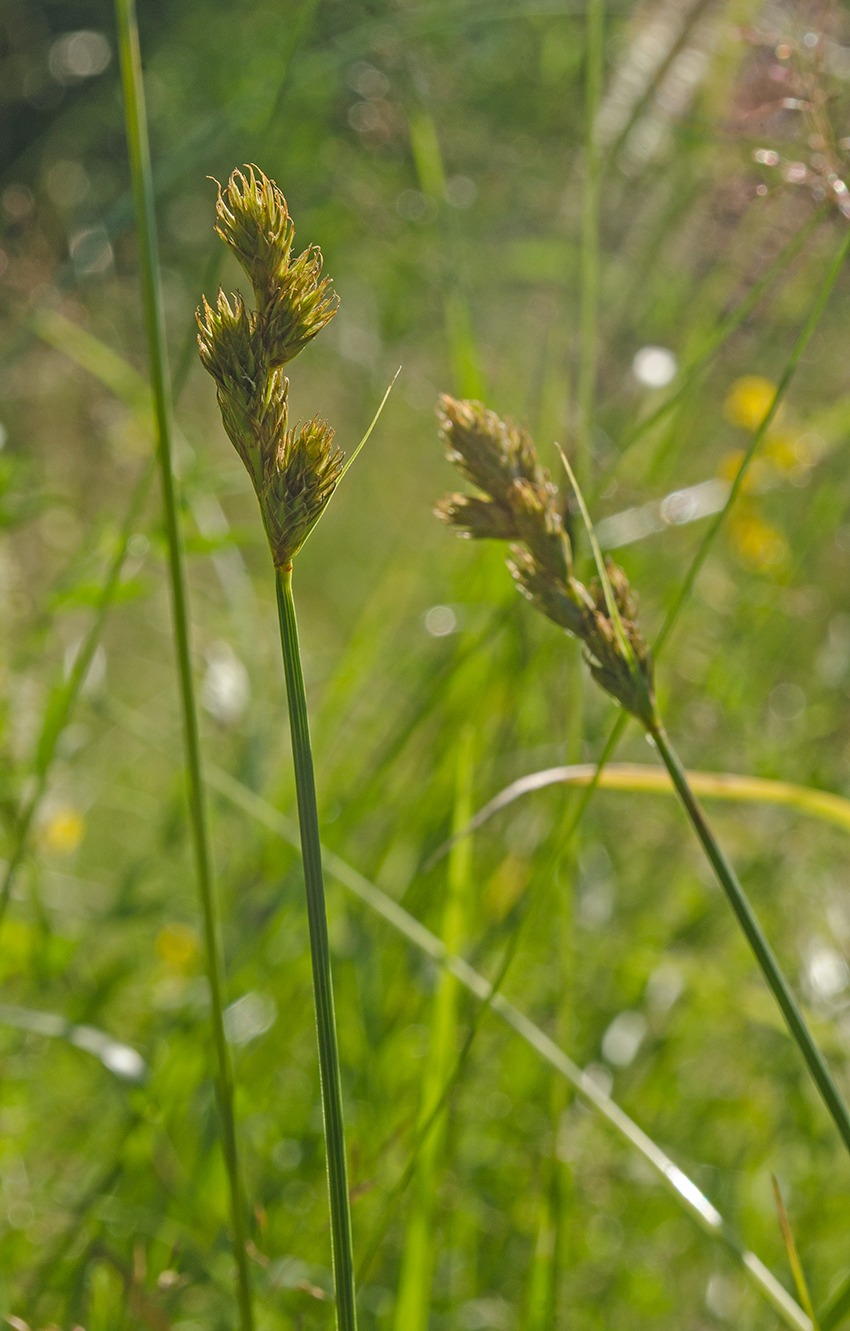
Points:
x=577 y=274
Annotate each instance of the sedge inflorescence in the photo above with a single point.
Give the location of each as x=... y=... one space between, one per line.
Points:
x=294 y=471
x=519 y=503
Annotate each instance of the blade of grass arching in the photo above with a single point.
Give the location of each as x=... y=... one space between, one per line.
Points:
x=589 y=251
x=685 y=1191
x=413 y=1301
x=143 y=198
x=821 y=804
x=716 y=340
x=793 y=1256
x=302 y=755
x=430 y=171
x=64 y=695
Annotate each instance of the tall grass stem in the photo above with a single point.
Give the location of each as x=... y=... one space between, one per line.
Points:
x=143 y=198
x=311 y=850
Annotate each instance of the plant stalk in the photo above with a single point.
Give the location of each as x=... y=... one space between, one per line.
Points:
x=756 y=938
x=143 y=198
x=311 y=850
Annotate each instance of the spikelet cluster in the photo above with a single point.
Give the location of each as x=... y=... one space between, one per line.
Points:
x=519 y=503
x=294 y=471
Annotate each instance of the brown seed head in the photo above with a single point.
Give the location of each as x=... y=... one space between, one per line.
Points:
x=500 y=459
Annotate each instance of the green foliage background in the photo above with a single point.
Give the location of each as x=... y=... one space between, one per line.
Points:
x=114 y=1201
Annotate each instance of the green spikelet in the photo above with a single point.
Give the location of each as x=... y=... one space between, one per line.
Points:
x=294 y=471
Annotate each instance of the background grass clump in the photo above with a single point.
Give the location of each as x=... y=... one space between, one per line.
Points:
x=438 y=156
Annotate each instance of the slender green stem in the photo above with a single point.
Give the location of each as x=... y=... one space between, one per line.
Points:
x=311 y=850
x=755 y=936
x=143 y=197
x=589 y=262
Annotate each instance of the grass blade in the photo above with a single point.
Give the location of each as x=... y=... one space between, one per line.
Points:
x=793 y=1256
x=143 y=197
x=414 y=1291
x=375 y=420
x=302 y=755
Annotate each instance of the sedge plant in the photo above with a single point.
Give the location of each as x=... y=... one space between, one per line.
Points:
x=517 y=502
x=294 y=472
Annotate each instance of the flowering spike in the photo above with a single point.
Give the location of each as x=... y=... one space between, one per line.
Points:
x=293 y=472
x=519 y=503
x=293 y=301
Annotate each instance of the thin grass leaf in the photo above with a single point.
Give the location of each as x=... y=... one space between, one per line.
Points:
x=610 y=602
x=375 y=420
x=413 y=1300
x=793 y=1255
